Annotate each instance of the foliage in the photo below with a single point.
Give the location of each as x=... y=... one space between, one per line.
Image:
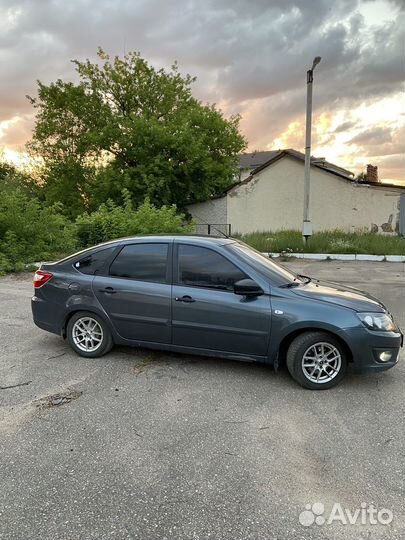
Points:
x=128 y=125
x=66 y=182
x=30 y=231
x=110 y=221
x=12 y=178
x=362 y=177
x=326 y=242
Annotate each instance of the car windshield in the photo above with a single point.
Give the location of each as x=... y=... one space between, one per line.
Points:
x=276 y=273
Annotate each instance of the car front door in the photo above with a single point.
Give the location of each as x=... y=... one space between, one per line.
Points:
x=206 y=314
x=136 y=293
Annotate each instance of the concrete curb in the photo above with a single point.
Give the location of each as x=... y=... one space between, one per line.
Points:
x=339 y=257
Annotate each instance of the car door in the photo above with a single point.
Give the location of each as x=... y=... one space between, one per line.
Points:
x=206 y=314
x=136 y=292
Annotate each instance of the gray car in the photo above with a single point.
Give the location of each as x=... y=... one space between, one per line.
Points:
x=216 y=297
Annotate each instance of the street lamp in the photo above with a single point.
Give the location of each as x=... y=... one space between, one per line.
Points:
x=307 y=225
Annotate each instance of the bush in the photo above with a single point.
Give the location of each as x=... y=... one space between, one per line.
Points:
x=30 y=232
x=111 y=221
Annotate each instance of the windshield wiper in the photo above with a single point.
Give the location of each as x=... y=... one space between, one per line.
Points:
x=295 y=282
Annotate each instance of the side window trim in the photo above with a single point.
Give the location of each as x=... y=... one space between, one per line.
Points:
x=176 y=267
x=169 y=245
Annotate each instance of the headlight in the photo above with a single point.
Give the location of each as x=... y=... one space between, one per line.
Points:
x=377 y=321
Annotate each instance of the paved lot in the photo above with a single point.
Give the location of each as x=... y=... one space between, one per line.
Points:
x=166 y=446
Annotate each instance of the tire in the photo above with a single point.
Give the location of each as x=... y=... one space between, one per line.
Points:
x=312 y=369
x=88 y=330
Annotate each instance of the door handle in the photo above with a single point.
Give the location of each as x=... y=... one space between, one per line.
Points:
x=186 y=299
x=108 y=290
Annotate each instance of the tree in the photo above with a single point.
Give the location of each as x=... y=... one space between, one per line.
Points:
x=12 y=178
x=128 y=125
x=361 y=177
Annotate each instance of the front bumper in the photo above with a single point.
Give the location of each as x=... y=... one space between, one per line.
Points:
x=367 y=345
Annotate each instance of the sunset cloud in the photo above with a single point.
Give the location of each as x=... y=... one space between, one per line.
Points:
x=250 y=58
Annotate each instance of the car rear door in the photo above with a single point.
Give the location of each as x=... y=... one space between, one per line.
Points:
x=136 y=293
x=206 y=314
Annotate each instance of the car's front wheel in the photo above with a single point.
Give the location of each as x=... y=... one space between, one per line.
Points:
x=88 y=335
x=316 y=360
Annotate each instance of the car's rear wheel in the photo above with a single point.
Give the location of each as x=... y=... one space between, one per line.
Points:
x=88 y=335
x=316 y=360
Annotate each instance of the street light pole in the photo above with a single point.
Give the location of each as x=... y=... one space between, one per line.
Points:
x=307 y=225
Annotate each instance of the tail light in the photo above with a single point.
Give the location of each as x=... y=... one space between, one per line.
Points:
x=41 y=277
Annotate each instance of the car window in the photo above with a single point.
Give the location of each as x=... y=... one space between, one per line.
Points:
x=203 y=267
x=94 y=263
x=143 y=262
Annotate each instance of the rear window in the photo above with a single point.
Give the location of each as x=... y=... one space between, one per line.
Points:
x=95 y=262
x=143 y=262
x=84 y=252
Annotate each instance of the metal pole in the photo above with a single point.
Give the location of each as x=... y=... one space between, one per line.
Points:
x=307 y=225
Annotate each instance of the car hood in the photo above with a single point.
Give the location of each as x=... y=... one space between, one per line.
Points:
x=340 y=295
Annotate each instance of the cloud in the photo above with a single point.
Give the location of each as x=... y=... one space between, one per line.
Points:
x=376 y=135
x=381 y=141
x=345 y=126
x=249 y=57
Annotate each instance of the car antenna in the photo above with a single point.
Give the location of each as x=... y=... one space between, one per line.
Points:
x=210 y=225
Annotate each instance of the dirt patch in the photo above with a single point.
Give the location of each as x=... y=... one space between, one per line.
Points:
x=144 y=364
x=55 y=400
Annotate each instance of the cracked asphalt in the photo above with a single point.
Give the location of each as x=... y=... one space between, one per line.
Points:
x=150 y=445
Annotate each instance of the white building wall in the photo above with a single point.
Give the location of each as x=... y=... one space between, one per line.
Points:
x=244 y=173
x=273 y=201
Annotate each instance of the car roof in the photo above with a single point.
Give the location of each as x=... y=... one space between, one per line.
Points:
x=196 y=239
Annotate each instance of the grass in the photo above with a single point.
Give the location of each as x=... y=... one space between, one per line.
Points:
x=326 y=242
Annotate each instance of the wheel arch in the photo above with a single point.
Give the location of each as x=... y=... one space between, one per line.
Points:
x=87 y=309
x=289 y=338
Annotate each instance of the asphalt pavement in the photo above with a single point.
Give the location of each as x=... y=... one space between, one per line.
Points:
x=150 y=445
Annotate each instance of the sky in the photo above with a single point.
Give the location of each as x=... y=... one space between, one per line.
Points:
x=250 y=57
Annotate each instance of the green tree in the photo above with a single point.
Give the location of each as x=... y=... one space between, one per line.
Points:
x=128 y=125
x=12 y=178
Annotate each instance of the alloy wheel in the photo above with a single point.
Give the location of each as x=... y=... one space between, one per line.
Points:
x=321 y=362
x=87 y=334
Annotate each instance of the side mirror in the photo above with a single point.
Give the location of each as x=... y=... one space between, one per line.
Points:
x=247 y=287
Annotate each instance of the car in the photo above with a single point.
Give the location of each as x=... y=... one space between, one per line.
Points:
x=216 y=297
